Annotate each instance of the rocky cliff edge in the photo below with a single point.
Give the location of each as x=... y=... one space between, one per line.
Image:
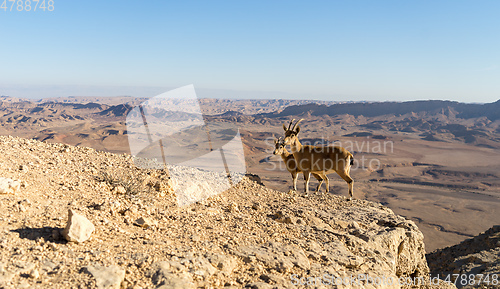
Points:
x=249 y=236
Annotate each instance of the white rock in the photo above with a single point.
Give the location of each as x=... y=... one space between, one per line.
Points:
x=119 y=190
x=182 y=280
x=5 y=276
x=24 y=267
x=34 y=274
x=226 y=264
x=9 y=186
x=107 y=277
x=78 y=229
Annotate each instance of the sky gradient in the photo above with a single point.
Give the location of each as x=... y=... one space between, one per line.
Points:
x=328 y=50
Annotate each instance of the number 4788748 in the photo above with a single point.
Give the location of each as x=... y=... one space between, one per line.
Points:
x=27 y=5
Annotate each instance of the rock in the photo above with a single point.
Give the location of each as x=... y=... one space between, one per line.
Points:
x=159 y=270
x=281 y=218
x=202 y=267
x=9 y=186
x=107 y=277
x=34 y=274
x=224 y=263
x=315 y=247
x=47 y=265
x=162 y=186
x=119 y=190
x=301 y=260
x=166 y=276
x=477 y=255
x=24 y=267
x=275 y=255
x=78 y=229
x=144 y=222
x=249 y=259
x=254 y=178
x=5 y=276
x=340 y=224
x=182 y=281
x=233 y=208
x=195 y=238
x=273 y=278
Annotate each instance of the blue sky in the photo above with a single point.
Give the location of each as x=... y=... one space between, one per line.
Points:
x=329 y=50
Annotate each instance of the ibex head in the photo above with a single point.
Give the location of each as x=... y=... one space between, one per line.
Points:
x=291 y=132
x=279 y=146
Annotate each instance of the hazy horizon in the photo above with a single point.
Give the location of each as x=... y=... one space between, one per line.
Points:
x=147 y=92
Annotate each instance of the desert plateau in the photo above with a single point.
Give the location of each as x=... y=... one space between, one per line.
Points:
x=426 y=196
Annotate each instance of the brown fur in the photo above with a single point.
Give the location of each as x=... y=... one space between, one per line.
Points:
x=319 y=159
x=291 y=165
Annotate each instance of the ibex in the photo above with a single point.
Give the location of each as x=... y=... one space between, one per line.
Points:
x=319 y=159
x=291 y=165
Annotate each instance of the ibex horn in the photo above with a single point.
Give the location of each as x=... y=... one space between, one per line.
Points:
x=291 y=122
x=297 y=123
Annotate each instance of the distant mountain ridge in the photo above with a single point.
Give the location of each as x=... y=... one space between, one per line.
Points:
x=373 y=109
x=78 y=121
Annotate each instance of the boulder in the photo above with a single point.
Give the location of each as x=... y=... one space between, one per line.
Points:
x=78 y=229
x=107 y=277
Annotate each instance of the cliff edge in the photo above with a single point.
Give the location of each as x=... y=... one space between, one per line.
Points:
x=249 y=236
x=474 y=261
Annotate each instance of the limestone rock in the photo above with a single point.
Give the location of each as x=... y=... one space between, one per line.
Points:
x=34 y=274
x=181 y=281
x=119 y=190
x=24 y=267
x=78 y=229
x=277 y=256
x=5 y=276
x=224 y=263
x=167 y=275
x=9 y=186
x=202 y=267
x=107 y=277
